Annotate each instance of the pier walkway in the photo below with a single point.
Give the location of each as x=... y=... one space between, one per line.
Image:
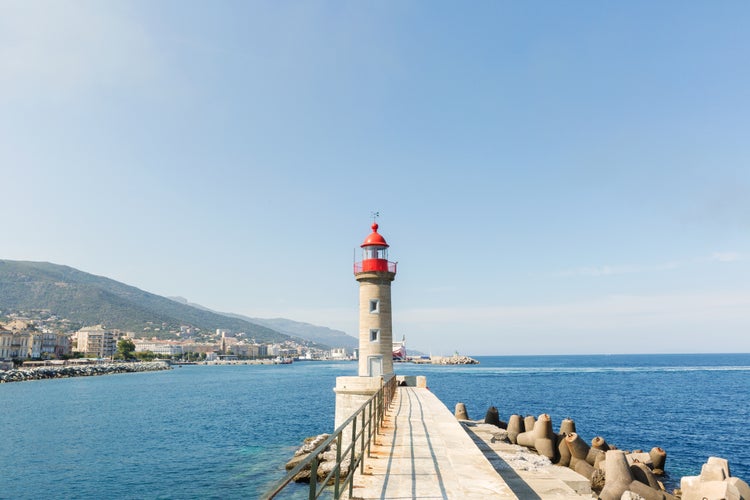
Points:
x=423 y=452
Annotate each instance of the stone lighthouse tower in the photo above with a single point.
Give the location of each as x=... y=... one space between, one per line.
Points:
x=374 y=274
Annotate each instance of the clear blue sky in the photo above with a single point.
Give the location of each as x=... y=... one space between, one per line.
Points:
x=553 y=177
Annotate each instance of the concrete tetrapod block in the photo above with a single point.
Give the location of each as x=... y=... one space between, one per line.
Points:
x=721 y=463
x=695 y=489
x=492 y=417
x=712 y=472
x=578 y=448
x=638 y=457
x=645 y=492
x=563 y=452
x=585 y=469
x=528 y=423
x=515 y=427
x=600 y=460
x=567 y=426
x=461 y=412
x=617 y=475
x=741 y=486
x=542 y=429
x=593 y=454
x=658 y=460
x=598 y=443
x=642 y=473
x=546 y=447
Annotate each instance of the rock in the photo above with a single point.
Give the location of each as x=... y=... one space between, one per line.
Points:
x=45 y=372
x=311 y=443
x=597 y=480
x=295 y=460
x=453 y=360
x=630 y=495
x=500 y=436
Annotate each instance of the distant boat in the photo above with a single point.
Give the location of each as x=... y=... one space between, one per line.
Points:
x=282 y=361
x=399 y=350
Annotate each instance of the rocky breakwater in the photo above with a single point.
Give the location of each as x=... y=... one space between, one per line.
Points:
x=456 y=359
x=613 y=474
x=326 y=460
x=45 y=372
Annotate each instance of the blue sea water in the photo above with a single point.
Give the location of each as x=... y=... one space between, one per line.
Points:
x=226 y=431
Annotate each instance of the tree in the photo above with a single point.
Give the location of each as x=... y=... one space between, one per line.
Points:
x=125 y=349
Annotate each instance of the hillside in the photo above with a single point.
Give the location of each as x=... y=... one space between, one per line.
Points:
x=297 y=329
x=320 y=334
x=89 y=300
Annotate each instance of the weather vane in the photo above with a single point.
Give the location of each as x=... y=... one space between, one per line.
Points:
x=375 y=215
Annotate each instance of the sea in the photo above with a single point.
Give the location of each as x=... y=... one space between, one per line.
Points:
x=227 y=431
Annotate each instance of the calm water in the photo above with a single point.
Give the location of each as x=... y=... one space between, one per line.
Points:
x=226 y=431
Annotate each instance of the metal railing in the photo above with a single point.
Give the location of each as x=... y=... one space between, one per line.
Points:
x=364 y=424
x=375 y=265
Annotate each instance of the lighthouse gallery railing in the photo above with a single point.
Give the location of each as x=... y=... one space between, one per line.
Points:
x=364 y=424
x=375 y=265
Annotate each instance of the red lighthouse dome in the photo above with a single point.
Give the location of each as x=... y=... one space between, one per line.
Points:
x=374 y=254
x=374 y=238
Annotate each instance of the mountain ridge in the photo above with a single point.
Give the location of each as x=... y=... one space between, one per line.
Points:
x=89 y=299
x=295 y=329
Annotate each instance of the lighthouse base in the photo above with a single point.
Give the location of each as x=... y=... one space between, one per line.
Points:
x=351 y=394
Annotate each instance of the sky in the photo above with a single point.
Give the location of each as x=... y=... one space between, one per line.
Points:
x=552 y=177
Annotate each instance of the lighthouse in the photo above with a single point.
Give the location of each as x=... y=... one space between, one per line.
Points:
x=375 y=274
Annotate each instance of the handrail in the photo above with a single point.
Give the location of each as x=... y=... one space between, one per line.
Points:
x=375 y=265
x=371 y=412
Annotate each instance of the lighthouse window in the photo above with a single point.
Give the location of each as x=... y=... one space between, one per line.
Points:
x=374 y=335
x=374 y=306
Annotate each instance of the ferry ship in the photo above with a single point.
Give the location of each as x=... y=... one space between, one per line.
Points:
x=399 y=349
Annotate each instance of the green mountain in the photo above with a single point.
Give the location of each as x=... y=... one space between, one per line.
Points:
x=87 y=299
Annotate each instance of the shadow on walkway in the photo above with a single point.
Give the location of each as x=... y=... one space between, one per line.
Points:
x=516 y=483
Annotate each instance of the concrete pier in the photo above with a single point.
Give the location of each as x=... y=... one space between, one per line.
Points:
x=424 y=452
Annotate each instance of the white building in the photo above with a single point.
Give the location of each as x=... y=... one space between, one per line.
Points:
x=96 y=341
x=338 y=353
x=162 y=348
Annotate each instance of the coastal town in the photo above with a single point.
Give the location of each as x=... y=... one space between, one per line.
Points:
x=30 y=341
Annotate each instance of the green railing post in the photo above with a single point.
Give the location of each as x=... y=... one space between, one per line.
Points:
x=338 y=467
x=354 y=449
x=369 y=427
x=314 y=478
x=362 y=445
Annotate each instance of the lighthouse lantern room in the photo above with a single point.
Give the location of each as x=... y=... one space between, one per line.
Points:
x=374 y=254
